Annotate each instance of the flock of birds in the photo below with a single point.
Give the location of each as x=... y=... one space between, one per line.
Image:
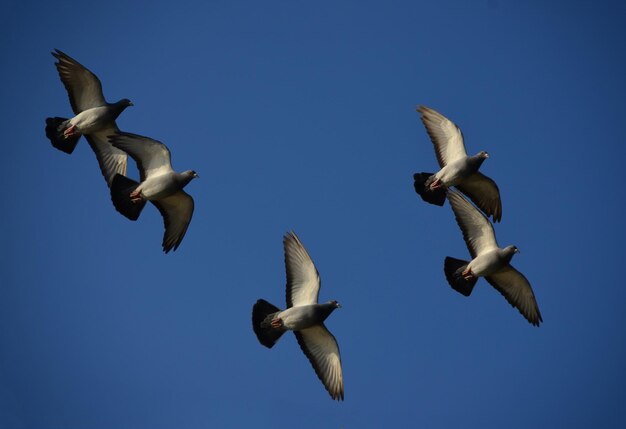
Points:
x=95 y=119
x=162 y=186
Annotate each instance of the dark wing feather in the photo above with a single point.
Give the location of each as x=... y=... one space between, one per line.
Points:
x=518 y=292
x=484 y=192
x=83 y=87
x=176 y=210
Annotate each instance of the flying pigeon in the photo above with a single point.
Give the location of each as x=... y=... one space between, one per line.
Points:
x=304 y=316
x=488 y=261
x=95 y=118
x=160 y=185
x=457 y=168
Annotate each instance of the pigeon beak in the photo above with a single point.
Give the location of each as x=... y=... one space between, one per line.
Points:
x=195 y=175
x=130 y=103
x=338 y=305
x=516 y=250
x=486 y=155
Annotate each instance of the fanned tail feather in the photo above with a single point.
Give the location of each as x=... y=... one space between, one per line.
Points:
x=121 y=187
x=54 y=131
x=262 y=314
x=454 y=268
x=422 y=183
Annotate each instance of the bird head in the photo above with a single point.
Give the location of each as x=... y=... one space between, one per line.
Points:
x=187 y=176
x=335 y=304
x=511 y=250
x=125 y=102
x=120 y=106
x=190 y=174
x=483 y=154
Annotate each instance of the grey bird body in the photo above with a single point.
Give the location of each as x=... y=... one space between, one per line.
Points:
x=163 y=185
x=455 y=172
x=304 y=316
x=97 y=118
x=491 y=261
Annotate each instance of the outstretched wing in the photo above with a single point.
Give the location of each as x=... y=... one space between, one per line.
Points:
x=518 y=292
x=445 y=135
x=484 y=192
x=83 y=87
x=152 y=157
x=321 y=348
x=176 y=210
x=112 y=161
x=303 y=280
x=477 y=230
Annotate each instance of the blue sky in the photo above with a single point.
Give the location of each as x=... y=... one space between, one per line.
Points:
x=301 y=115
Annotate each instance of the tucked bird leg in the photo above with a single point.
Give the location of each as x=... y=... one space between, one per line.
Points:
x=437 y=183
x=70 y=131
x=135 y=196
x=468 y=274
x=276 y=322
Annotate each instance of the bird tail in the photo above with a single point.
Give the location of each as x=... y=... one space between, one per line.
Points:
x=454 y=268
x=262 y=314
x=121 y=187
x=54 y=131
x=422 y=187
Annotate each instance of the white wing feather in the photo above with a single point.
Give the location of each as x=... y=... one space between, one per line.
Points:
x=445 y=135
x=303 y=280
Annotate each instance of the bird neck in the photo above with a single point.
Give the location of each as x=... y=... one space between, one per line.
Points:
x=183 y=178
x=118 y=108
x=326 y=309
x=476 y=161
x=507 y=254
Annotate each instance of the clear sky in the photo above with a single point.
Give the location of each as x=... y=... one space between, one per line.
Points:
x=301 y=115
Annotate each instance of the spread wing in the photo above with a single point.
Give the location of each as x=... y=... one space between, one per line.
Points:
x=517 y=291
x=321 y=348
x=83 y=87
x=111 y=160
x=484 y=192
x=303 y=280
x=152 y=157
x=477 y=230
x=176 y=210
x=445 y=135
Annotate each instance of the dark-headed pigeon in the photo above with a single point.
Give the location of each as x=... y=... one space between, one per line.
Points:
x=304 y=316
x=457 y=169
x=160 y=185
x=488 y=261
x=95 y=118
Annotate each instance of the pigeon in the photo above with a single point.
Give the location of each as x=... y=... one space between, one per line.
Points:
x=488 y=261
x=304 y=316
x=95 y=118
x=457 y=168
x=160 y=185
